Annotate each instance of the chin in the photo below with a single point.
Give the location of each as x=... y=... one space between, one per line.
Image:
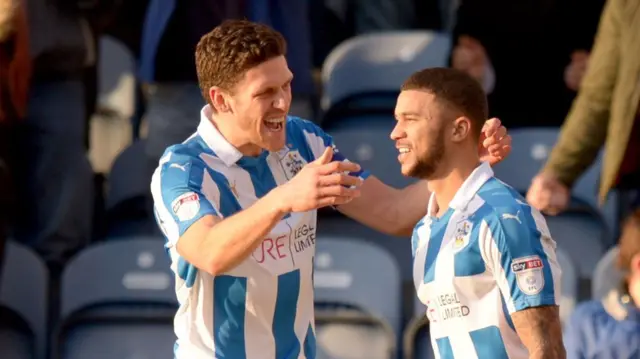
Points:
x=407 y=170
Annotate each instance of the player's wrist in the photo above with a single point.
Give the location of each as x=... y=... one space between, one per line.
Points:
x=277 y=201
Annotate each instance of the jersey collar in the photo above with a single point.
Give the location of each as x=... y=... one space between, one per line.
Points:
x=468 y=190
x=471 y=186
x=214 y=139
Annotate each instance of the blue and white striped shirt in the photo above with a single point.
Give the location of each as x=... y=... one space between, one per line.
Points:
x=263 y=308
x=488 y=256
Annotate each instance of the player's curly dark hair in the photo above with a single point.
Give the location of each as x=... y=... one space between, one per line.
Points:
x=233 y=47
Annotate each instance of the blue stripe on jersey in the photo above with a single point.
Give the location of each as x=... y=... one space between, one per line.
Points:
x=287 y=343
x=310 y=344
x=296 y=127
x=260 y=174
x=187 y=272
x=182 y=175
x=488 y=343
x=230 y=295
x=516 y=239
x=468 y=261
x=415 y=238
x=438 y=229
x=444 y=348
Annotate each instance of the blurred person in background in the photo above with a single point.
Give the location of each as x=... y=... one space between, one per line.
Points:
x=609 y=328
x=529 y=55
x=605 y=113
x=47 y=51
x=169 y=33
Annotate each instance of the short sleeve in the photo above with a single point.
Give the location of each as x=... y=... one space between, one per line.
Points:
x=183 y=192
x=523 y=261
x=318 y=140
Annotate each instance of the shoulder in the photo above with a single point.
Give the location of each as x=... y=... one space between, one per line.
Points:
x=507 y=213
x=185 y=165
x=306 y=136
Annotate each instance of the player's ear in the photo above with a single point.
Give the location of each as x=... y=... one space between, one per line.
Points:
x=461 y=129
x=219 y=99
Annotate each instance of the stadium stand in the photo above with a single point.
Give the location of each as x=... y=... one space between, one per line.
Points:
x=348 y=84
x=128 y=204
x=23 y=304
x=357 y=314
x=118 y=300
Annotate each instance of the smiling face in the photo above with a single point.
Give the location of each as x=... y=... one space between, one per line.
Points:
x=258 y=105
x=244 y=77
x=419 y=134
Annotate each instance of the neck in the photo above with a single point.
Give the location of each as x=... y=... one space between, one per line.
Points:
x=451 y=177
x=239 y=142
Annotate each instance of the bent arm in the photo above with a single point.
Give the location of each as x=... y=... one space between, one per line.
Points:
x=217 y=245
x=585 y=128
x=190 y=207
x=387 y=209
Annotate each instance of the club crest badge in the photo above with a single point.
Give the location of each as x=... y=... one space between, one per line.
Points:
x=461 y=235
x=292 y=163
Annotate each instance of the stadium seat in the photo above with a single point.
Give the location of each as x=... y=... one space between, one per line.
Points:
x=366 y=140
x=117 y=299
x=391 y=56
x=416 y=341
x=606 y=275
x=582 y=236
x=570 y=284
x=23 y=304
x=116 y=78
x=531 y=148
x=128 y=200
x=358 y=302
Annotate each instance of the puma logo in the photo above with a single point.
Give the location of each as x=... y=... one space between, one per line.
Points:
x=182 y=167
x=512 y=216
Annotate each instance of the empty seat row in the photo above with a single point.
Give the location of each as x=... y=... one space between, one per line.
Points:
x=118 y=301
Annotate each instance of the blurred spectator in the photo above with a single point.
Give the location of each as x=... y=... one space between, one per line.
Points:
x=45 y=117
x=520 y=51
x=605 y=113
x=610 y=328
x=170 y=31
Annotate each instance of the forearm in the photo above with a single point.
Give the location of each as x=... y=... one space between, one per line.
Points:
x=387 y=209
x=233 y=239
x=540 y=331
x=585 y=128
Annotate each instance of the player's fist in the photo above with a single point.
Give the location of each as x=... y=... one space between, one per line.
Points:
x=320 y=183
x=548 y=194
